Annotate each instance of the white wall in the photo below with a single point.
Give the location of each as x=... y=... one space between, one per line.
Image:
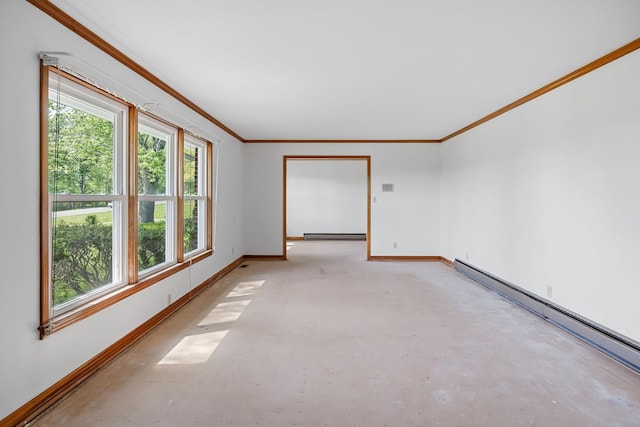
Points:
x=28 y=365
x=549 y=195
x=410 y=216
x=326 y=196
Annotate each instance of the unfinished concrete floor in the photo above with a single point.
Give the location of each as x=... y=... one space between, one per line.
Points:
x=328 y=339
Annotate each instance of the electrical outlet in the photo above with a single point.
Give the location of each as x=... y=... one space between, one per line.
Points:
x=549 y=291
x=233 y=250
x=467 y=256
x=169 y=299
x=395 y=245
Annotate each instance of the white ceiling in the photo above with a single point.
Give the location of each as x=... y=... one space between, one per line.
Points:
x=358 y=69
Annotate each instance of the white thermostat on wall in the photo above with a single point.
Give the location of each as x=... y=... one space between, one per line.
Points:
x=387 y=188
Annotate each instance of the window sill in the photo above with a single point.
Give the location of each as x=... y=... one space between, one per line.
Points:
x=99 y=304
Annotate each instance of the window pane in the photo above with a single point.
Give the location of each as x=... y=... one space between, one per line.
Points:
x=195 y=196
x=82 y=249
x=191 y=169
x=152 y=164
x=81 y=147
x=152 y=235
x=191 y=225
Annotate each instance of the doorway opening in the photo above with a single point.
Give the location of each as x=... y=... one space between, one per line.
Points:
x=323 y=197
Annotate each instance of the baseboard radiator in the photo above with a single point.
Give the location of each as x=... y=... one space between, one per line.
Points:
x=621 y=348
x=335 y=236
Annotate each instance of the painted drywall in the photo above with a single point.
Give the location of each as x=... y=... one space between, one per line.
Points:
x=547 y=196
x=326 y=196
x=410 y=216
x=28 y=365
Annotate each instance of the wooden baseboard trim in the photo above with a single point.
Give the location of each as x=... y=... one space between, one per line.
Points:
x=295 y=238
x=265 y=257
x=36 y=406
x=427 y=258
x=447 y=262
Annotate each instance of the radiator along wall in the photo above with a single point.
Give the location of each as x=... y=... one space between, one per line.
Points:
x=547 y=196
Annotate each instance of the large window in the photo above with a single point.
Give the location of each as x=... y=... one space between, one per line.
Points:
x=124 y=197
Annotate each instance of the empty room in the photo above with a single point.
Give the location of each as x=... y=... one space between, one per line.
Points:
x=337 y=213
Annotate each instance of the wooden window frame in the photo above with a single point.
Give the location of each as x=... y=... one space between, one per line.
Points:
x=170 y=196
x=50 y=323
x=204 y=196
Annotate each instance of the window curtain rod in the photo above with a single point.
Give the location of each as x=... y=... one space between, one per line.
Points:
x=78 y=68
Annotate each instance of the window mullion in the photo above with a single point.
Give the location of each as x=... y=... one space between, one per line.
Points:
x=180 y=195
x=132 y=186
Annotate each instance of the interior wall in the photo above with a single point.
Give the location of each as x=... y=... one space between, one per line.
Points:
x=326 y=196
x=410 y=216
x=28 y=365
x=546 y=196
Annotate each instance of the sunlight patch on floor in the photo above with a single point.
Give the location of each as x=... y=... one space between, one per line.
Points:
x=245 y=289
x=194 y=349
x=224 y=312
x=198 y=348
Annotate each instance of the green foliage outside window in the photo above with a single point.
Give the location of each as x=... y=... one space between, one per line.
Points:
x=82 y=255
x=80 y=151
x=152 y=161
x=82 y=258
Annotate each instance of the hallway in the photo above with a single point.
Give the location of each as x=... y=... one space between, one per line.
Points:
x=329 y=339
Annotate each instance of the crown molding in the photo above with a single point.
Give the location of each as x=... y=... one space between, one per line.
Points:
x=603 y=60
x=63 y=18
x=343 y=141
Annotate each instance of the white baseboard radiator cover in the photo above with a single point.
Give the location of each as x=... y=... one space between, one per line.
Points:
x=335 y=236
x=621 y=348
